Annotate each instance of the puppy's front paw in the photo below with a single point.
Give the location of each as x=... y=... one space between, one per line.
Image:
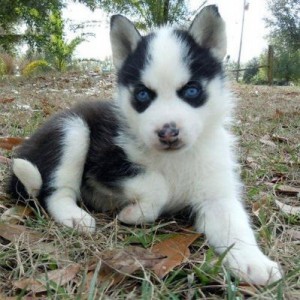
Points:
x=78 y=219
x=136 y=214
x=253 y=266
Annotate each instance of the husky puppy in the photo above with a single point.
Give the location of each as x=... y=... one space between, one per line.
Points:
x=161 y=146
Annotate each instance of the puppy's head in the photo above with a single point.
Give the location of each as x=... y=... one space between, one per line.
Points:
x=170 y=87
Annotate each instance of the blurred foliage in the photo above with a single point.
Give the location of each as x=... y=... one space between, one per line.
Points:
x=2 y=67
x=34 y=67
x=251 y=70
x=39 y=24
x=7 y=64
x=148 y=13
x=284 y=25
x=44 y=31
x=29 y=13
x=57 y=50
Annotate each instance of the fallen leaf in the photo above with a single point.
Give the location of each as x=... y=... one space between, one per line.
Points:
x=289 y=190
x=6 y=100
x=288 y=209
x=118 y=263
x=9 y=143
x=248 y=289
x=3 y=297
x=39 y=284
x=278 y=177
x=16 y=214
x=256 y=206
x=251 y=162
x=47 y=108
x=278 y=114
x=13 y=232
x=265 y=140
x=176 y=250
x=294 y=234
x=2 y=206
x=280 y=139
x=106 y=274
x=5 y=160
x=130 y=259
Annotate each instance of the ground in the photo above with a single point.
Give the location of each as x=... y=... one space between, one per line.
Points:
x=267 y=124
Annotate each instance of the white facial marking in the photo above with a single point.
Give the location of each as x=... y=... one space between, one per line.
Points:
x=166 y=71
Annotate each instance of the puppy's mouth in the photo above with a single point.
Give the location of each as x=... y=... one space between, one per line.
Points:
x=171 y=145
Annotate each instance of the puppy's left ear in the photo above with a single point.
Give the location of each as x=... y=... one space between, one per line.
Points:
x=124 y=38
x=208 y=29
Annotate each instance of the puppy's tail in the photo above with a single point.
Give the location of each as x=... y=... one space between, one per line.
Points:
x=29 y=175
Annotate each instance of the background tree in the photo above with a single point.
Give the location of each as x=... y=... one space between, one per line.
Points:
x=284 y=25
x=32 y=14
x=56 y=49
x=251 y=70
x=147 y=13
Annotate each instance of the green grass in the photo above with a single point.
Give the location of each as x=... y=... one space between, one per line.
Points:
x=262 y=112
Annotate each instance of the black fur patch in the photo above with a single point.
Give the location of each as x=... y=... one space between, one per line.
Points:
x=200 y=61
x=44 y=150
x=130 y=73
x=106 y=162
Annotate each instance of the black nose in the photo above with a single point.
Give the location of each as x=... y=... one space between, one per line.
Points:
x=168 y=134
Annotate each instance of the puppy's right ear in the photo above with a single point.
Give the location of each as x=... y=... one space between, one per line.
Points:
x=208 y=29
x=124 y=38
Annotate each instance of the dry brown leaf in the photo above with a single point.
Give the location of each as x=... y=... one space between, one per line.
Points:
x=251 y=162
x=6 y=100
x=2 y=206
x=39 y=284
x=278 y=114
x=13 y=232
x=105 y=274
x=176 y=250
x=248 y=289
x=256 y=206
x=265 y=140
x=130 y=259
x=4 y=160
x=288 y=209
x=16 y=214
x=47 y=108
x=294 y=234
x=117 y=263
x=278 y=138
x=278 y=177
x=289 y=190
x=9 y=143
x=3 y=297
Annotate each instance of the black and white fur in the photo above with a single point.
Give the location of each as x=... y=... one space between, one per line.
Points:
x=162 y=145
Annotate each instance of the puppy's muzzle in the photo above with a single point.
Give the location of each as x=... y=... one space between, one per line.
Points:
x=168 y=135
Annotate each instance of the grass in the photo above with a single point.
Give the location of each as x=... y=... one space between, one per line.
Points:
x=267 y=125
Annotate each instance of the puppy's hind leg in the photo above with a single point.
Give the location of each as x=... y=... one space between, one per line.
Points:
x=29 y=175
x=66 y=179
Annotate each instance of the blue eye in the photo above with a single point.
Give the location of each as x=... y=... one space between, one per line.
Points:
x=142 y=96
x=191 y=92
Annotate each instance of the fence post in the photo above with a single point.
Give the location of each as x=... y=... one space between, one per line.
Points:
x=270 y=64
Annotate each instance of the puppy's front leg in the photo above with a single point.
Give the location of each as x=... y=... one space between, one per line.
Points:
x=225 y=222
x=148 y=193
